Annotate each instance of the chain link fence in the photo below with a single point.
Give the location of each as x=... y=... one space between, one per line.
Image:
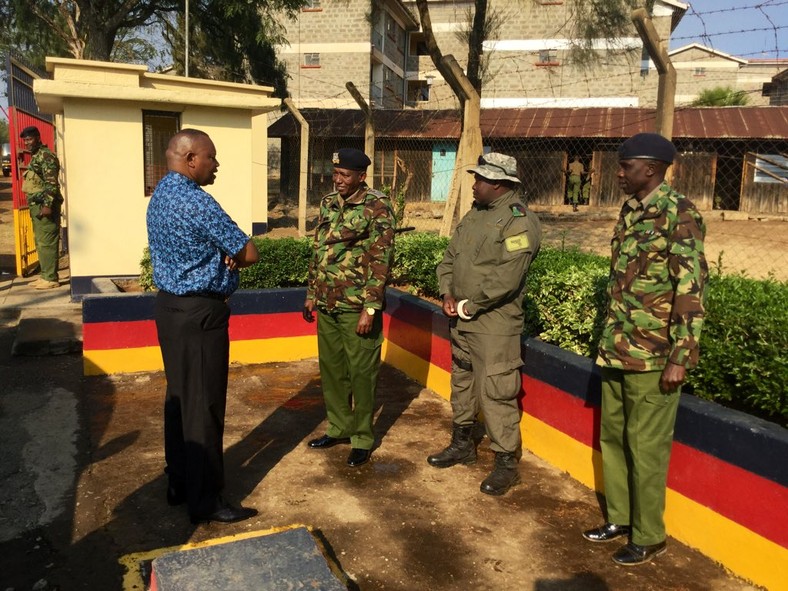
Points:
x=740 y=185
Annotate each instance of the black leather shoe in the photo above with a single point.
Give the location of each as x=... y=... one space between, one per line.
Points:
x=634 y=554
x=175 y=495
x=358 y=457
x=327 y=441
x=606 y=532
x=226 y=513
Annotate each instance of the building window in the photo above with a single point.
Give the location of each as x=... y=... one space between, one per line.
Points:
x=311 y=60
x=311 y=5
x=547 y=57
x=699 y=72
x=418 y=44
x=771 y=168
x=157 y=129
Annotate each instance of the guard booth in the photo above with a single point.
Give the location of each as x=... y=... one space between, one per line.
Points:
x=22 y=112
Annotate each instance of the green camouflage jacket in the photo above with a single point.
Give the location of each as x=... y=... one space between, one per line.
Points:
x=657 y=276
x=486 y=262
x=349 y=275
x=40 y=182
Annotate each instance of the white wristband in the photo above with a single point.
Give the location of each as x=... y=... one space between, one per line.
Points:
x=461 y=312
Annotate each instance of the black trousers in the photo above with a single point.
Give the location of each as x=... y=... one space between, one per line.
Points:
x=195 y=345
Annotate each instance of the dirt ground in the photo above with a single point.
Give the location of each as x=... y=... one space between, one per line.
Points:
x=81 y=485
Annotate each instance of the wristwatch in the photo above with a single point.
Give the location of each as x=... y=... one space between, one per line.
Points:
x=371 y=311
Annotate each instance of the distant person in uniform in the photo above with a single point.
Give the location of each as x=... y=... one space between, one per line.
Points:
x=196 y=250
x=42 y=189
x=482 y=283
x=650 y=340
x=353 y=252
x=576 y=172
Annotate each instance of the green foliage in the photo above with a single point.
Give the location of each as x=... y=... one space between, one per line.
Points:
x=592 y=20
x=721 y=96
x=565 y=299
x=416 y=255
x=744 y=346
x=146 y=271
x=3 y=131
x=284 y=262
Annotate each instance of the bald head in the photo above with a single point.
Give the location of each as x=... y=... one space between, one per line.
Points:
x=191 y=153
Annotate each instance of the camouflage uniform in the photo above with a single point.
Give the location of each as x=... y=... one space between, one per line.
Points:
x=41 y=188
x=655 y=316
x=344 y=279
x=485 y=263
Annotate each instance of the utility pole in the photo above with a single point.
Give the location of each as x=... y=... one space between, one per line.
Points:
x=369 y=131
x=666 y=92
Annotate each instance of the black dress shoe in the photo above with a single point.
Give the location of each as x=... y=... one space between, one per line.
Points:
x=358 y=457
x=175 y=495
x=327 y=441
x=226 y=513
x=606 y=532
x=633 y=554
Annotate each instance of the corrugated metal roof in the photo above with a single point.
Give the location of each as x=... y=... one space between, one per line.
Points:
x=543 y=122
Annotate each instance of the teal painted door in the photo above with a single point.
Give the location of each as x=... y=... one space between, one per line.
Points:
x=444 y=155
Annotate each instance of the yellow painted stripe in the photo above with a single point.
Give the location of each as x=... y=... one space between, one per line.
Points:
x=111 y=361
x=99 y=362
x=132 y=578
x=271 y=350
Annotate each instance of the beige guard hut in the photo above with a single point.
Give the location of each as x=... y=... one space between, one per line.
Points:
x=112 y=123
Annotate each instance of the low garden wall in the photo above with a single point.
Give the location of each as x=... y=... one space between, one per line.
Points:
x=728 y=478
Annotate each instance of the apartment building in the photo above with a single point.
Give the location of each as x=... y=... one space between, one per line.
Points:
x=379 y=47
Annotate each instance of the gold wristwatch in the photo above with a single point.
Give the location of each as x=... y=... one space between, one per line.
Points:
x=371 y=311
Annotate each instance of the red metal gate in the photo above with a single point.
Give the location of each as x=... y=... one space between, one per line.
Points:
x=22 y=112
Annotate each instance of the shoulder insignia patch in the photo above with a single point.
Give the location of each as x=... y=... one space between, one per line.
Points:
x=518 y=242
x=518 y=210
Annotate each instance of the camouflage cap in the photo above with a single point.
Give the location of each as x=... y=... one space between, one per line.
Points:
x=496 y=167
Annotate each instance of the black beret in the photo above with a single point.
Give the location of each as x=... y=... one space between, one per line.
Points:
x=647 y=145
x=30 y=131
x=351 y=159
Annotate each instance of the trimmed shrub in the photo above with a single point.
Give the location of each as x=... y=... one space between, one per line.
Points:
x=744 y=346
x=416 y=255
x=284 y=262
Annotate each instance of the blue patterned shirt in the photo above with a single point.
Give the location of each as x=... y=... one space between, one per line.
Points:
x=189 y=235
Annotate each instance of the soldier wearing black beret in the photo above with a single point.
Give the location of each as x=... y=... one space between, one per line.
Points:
x=649 y=341
x=353 y=251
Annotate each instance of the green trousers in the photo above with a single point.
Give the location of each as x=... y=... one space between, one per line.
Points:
x=349 y=367
x=574 y=189
x=46 y=232
x=485 y=376
x=636 y=435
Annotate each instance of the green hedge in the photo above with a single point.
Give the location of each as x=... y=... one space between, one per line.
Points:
x=744 y=345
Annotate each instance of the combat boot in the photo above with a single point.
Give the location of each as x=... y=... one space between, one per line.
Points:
x=504 y=475
x=461 y=450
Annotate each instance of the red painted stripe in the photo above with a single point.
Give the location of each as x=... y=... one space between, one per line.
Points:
x=142 y=333
x=419 y=340
x=569 y=414
x=247 y=327
x=101 y=336
x=755 y=502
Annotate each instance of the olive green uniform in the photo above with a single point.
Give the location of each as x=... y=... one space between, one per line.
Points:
x=41 y=188
x=575 y=181
x=345 y=277
x=486 y=263
x=655 y=316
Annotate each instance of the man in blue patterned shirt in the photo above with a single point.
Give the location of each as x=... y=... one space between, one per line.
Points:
x=196 y=250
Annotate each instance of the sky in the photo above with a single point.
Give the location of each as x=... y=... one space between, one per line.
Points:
x=749 y=29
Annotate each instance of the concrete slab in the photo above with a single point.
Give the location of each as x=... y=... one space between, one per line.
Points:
x=49 y=331
x=291 y=559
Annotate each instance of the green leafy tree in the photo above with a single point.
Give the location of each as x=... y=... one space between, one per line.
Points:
x=3 y=131
x=721 y=96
